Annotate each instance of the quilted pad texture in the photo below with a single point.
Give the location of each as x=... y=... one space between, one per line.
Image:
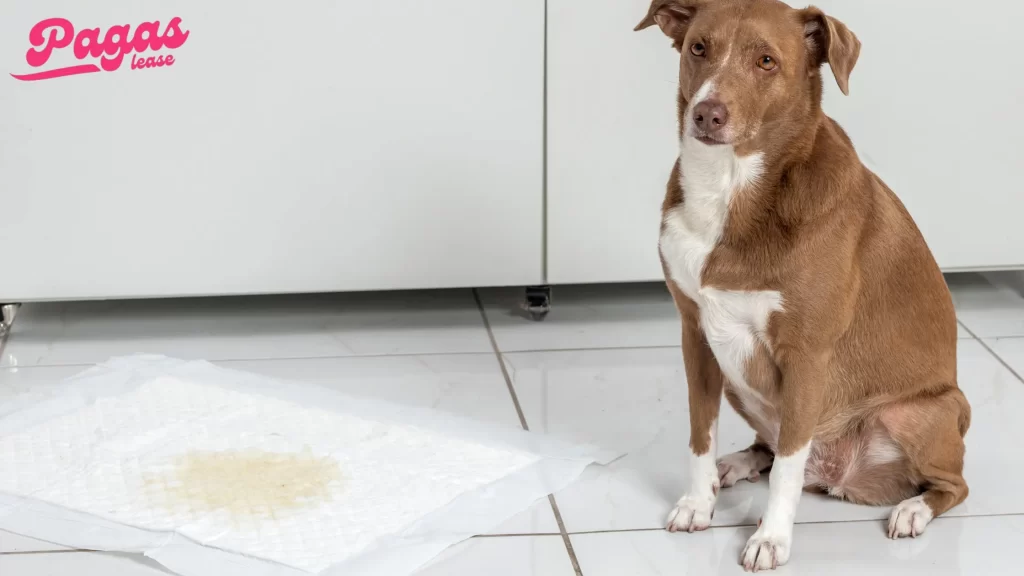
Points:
x=246 y=473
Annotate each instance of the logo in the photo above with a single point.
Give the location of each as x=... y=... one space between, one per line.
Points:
x=54 y=34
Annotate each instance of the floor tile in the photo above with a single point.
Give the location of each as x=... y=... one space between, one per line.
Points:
x=512 y=556
x=599 y=316
x=467 y=384
x=1010 y=350
x=990 y=305
x=635 y=400
x=951 y=546
x=249 y=328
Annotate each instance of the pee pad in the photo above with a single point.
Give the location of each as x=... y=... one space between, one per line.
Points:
x=216 y=471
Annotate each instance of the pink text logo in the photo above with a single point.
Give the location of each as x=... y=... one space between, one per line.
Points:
x=109 y=49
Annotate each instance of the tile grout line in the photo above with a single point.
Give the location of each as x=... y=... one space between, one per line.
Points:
x=61 y=551
x=409 y=354
x=522 y=420
x=501 y=362
x=599 y=532
x=992 y=352
x=879 y=521
x=358 y=356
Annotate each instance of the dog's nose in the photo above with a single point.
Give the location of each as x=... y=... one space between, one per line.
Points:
x=710 y=116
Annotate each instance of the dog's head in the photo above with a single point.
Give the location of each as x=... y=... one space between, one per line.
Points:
x=750 y=70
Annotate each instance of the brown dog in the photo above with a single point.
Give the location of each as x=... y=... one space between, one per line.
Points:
x=806 y=291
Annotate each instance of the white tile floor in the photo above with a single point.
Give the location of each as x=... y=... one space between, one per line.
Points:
x=604 y=367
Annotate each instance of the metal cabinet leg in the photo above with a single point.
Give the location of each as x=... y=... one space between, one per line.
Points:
x=538 y=302
x=10 y=312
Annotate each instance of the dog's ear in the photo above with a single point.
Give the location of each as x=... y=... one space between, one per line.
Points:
x=829 y=40
x=672 y=16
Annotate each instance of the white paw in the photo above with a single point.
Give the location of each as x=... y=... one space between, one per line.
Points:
x=738 y=466
x=910 y=518
x=691 y=514
x=765 y=551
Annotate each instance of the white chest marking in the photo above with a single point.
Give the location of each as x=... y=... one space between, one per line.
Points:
x=733 y=321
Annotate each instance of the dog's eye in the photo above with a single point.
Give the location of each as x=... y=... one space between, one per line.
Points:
x=766 y=63
x=697 y=49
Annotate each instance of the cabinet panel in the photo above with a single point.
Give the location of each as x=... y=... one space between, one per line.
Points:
x=289 y=147
x=611 y=140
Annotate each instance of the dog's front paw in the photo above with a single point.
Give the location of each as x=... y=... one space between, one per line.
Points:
x=910 y=518
x=692 y=514
x=765 y=551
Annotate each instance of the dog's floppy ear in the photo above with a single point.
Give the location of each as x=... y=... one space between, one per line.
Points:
x=829 y=40
x=672 y=16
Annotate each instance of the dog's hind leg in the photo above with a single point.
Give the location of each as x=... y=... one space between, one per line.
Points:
x=931 y=432
x=745 y=465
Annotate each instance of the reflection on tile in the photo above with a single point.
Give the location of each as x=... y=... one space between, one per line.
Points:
x=600 y=316
x=991 y=306
x=636 y=400
x=513 y=556
x=951 y=546
x=467 y=384
x=248 y=328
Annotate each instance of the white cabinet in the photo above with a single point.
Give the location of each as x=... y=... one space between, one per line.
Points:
x=331 y=146
x=290 y=147
x=611 y=140
x=934 y=108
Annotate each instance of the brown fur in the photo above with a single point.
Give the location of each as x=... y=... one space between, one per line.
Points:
x=866 y=345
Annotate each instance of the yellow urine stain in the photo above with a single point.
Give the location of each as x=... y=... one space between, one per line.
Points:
x=248 y=484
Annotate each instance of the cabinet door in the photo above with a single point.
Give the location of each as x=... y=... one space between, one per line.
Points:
x=934 y=109
x=611 y=140
x=288 y=147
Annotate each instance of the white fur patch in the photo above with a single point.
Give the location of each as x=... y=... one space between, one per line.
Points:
x=734 y=321
x=735 y=324
x=910 y=518
x=770 y=546
x=694 y=510
x=883 y=450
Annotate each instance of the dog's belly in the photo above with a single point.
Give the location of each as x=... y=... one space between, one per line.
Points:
x=865 y=467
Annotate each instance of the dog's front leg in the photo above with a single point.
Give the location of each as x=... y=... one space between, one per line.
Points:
x=694 y=510
x=801 y=397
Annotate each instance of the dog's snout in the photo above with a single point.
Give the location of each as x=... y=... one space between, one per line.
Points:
x=710 y=115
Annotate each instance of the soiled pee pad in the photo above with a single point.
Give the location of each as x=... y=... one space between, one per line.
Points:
x=218 y=472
